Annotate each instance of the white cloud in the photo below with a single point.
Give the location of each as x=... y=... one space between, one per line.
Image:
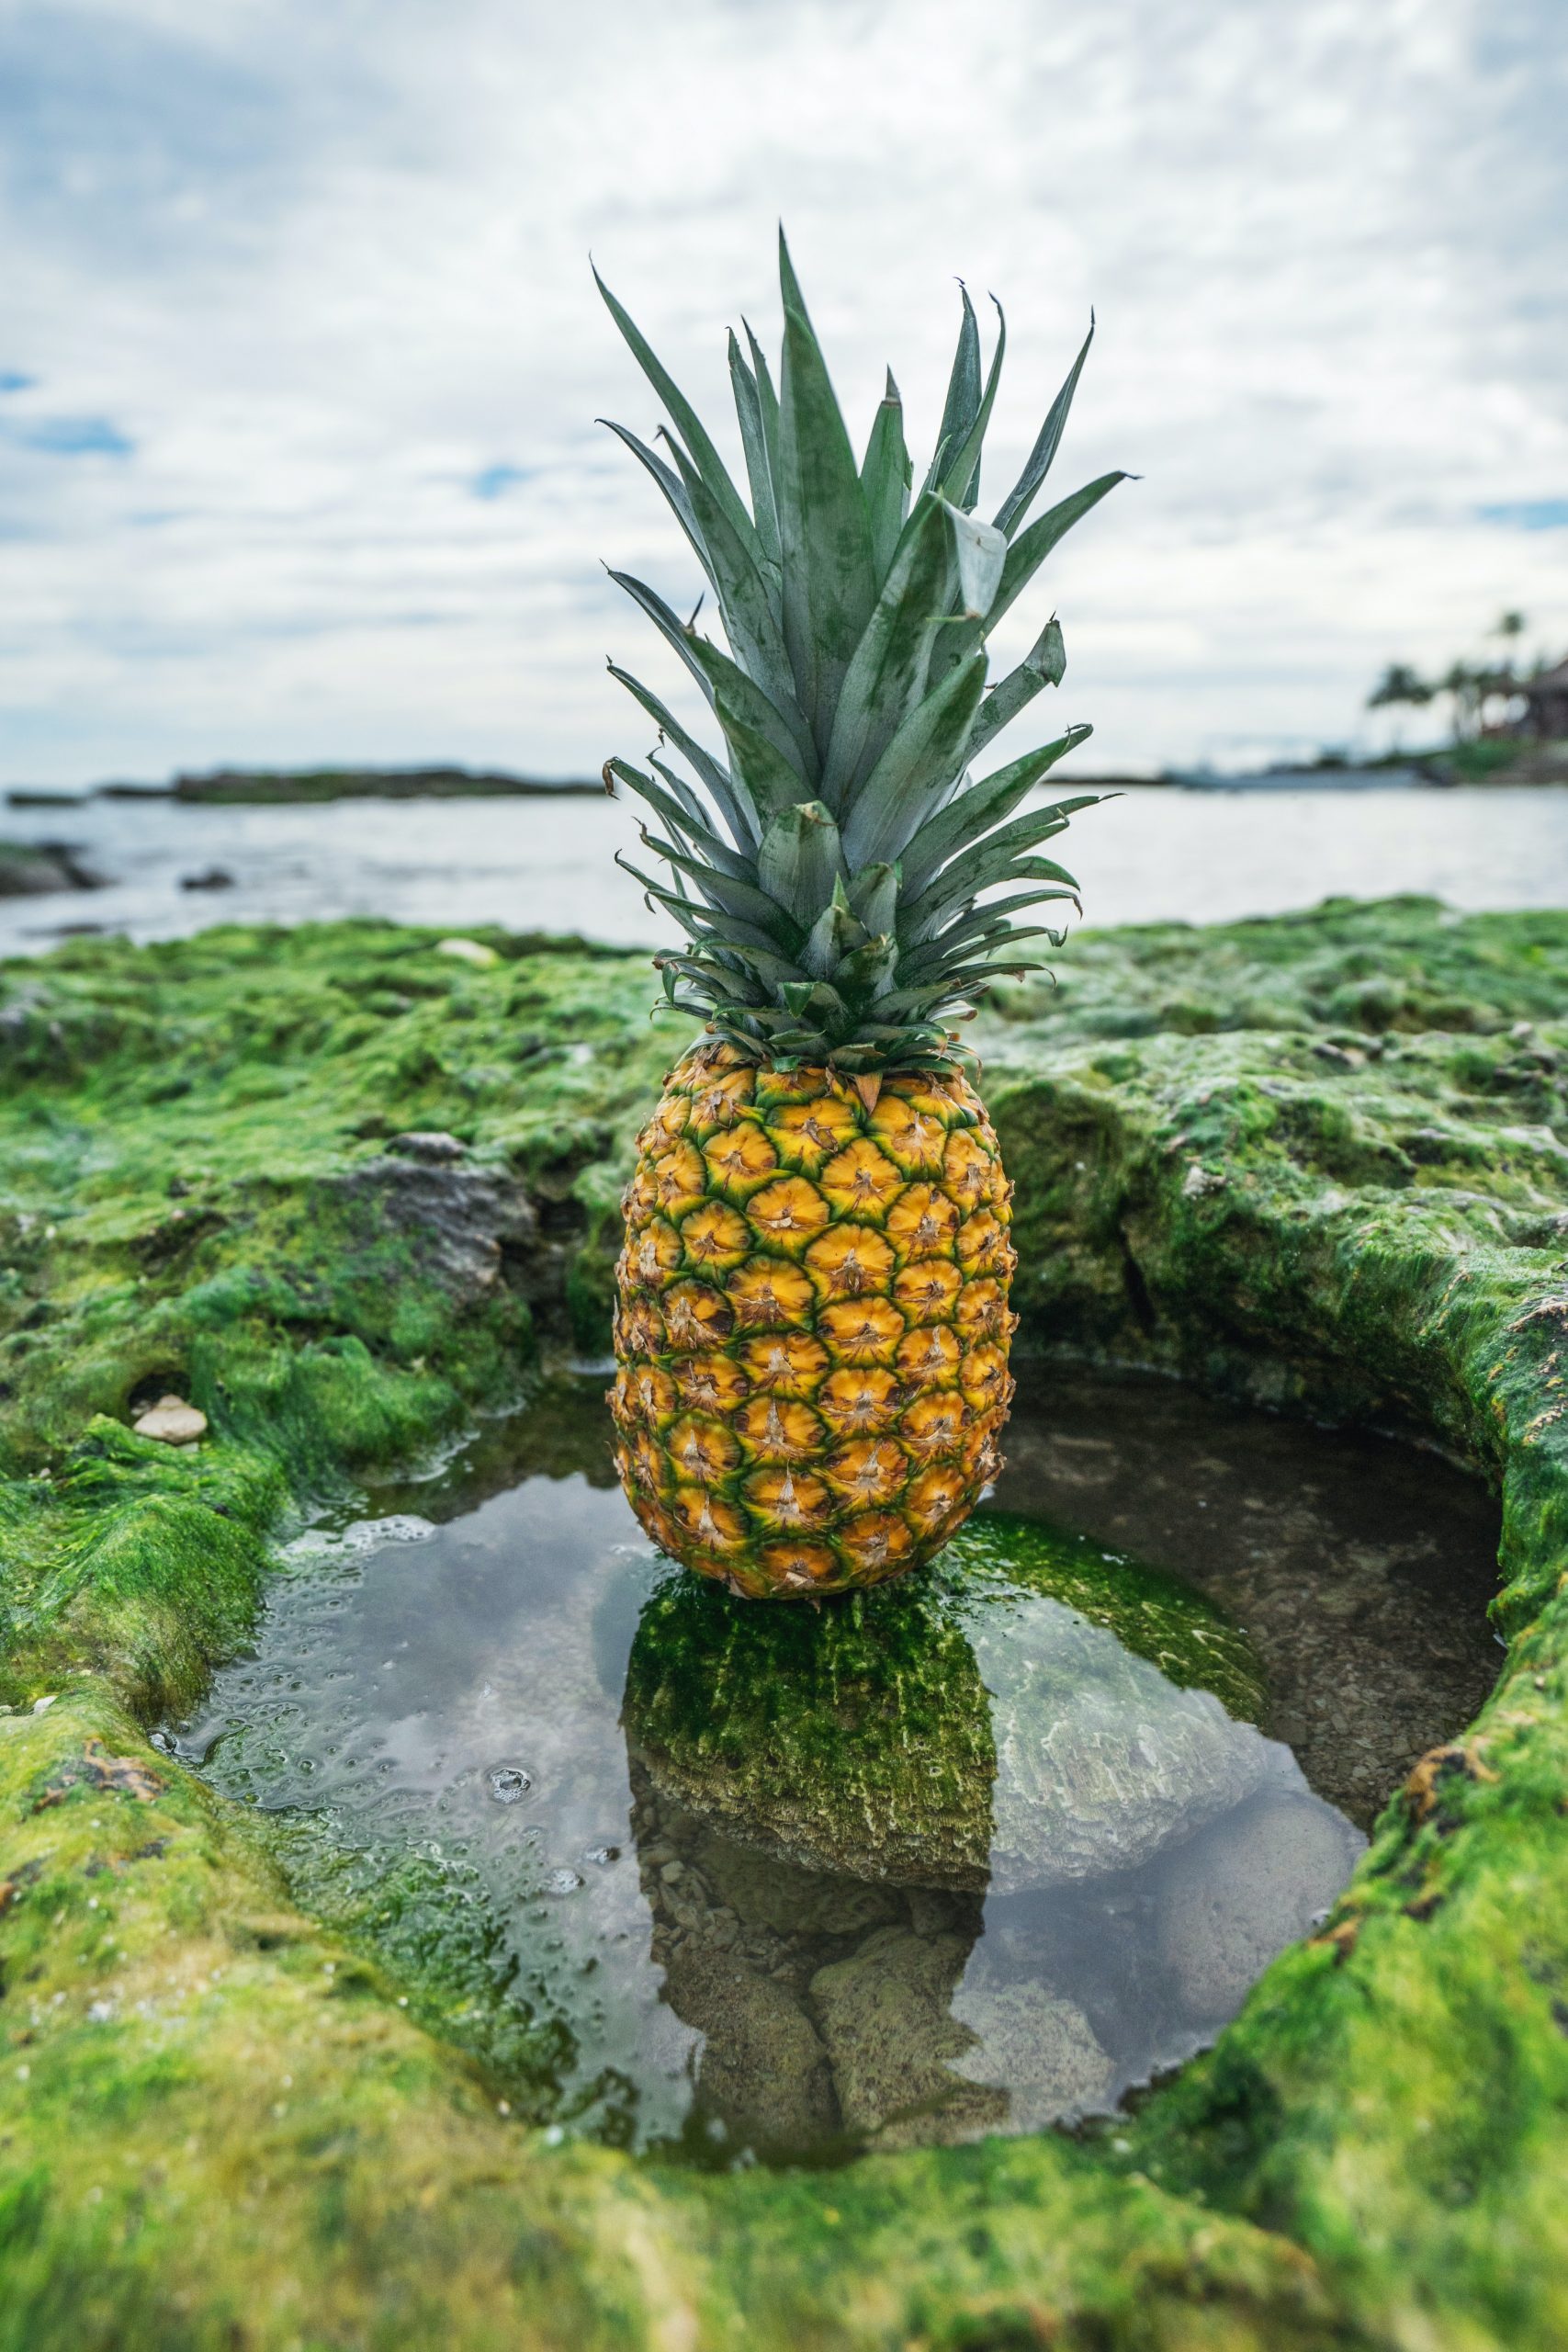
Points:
x=326 y=269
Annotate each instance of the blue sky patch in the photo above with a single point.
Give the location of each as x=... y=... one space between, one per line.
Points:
x=1529 y=515
x=496 y=481
x=78 y=436
x=12 y=380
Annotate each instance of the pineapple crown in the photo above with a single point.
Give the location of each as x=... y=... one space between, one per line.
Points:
x=831 y=872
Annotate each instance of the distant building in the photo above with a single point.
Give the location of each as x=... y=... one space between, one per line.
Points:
x=1545 y=698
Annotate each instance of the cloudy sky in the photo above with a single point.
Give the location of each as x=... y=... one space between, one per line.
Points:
x=299 y=354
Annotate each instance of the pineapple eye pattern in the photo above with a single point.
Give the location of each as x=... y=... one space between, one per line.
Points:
x=812 y=1386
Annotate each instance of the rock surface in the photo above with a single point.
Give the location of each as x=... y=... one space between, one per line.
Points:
x=1235 y=1898
x=455 y=1220
x=171 y=1420
x=1100 y=1761
x=969 y=1727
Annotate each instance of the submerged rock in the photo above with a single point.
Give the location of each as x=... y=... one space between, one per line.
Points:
x=1037 y=2047
x=1027 y=1712
x=1100 y=1761
x=892 y=2039
x=1236 y=1897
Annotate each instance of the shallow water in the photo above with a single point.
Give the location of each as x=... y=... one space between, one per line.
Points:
x=1153 y=855
x=1074 y=1867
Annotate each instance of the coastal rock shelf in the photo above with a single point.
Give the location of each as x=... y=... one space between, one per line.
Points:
x=1320 y=1162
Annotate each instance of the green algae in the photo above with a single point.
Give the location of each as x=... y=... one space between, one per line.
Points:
x=859 y=1740
x=1319 y=1160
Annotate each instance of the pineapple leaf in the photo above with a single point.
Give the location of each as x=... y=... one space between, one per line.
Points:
x=944 y=946
x=765 y=774
x=730 y=688
x=1020 y=497
x=759 y=468
x=886 y=475
x=835 y=935
x=911 y=780
x=670 y=483
x=767 y=408
x=824 y=529
x=971 y=815
x=961 y=481
x=685 y=798
x=889 y=671
x=756 y=950
x=729 y=896
x=1032 y=547
x=683 y=821
x=730 y=981
x=745 y=602
x=963 y=403
x=868 y=970
x=1045 y=663
x=707 y=769
x=998 y=858
x=799 y=860
x=670 y=627
x=874 y=894
x=674 y=902
x=687 y=422
x=981 y=552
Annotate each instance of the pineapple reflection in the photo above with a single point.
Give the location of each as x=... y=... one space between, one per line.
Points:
x=971 y=1854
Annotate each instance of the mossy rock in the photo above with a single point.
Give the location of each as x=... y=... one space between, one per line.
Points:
x=217 y=2126
x=1027 y=1711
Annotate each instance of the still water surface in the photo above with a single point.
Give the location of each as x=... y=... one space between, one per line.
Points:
x=457 y=1682
x=546 y=864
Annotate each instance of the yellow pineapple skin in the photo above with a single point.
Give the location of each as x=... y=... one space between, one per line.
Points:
x=811 y=1323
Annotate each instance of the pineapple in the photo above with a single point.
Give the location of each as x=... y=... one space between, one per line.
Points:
x=812 y=1319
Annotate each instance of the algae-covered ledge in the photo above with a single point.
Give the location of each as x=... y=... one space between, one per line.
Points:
x=1324 y=1159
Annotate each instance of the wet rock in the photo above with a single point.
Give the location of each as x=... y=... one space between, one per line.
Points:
x=973 y=1726
x=1100 y=1761
x=28 y=869
x=455 y=1221
x=211 y=877
x=885 y=2019
x=171 y=1420
x=792 y=1902
x=764 y=2071
x=468 y=951
x=1238 y=1896
x=854 y=1741
x=431 y=1144
x=1037 y=2047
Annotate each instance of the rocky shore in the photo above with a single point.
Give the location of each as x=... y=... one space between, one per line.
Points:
x=336 y=1191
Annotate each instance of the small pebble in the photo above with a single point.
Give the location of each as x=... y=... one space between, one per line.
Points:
x=173 y=1420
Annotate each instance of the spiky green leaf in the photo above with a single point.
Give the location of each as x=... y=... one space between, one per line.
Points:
x=911 y=780
x=1044 y=664
x=687 y=422
x=963 y=403
x=759 y=466
x=830 y=586
x=1037 y=465
x=886 y=475
x=887 y=676
x=799 y=860
x=971 y=816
